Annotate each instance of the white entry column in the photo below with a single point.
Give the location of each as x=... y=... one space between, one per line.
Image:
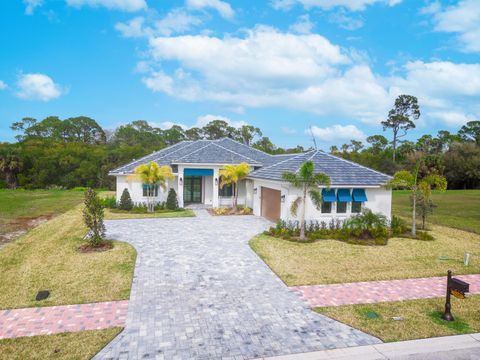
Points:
x=216 y=182
x=180 y=181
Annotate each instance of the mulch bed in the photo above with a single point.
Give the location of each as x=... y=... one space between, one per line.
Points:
x=87 y=248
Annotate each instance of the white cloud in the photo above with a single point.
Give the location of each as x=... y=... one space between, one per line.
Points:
x=287 y=130
x=223 y=8
x=353 y=5
x=2 y=85
x=462 y=19
x=37 y=87
x=345 y=21
x=337 y=132
x=123 y=5
x=133 y=28
x=31 y=5
x=303 y=25
x=452 y=118
x=176 y=21
x=200 y=122
x=269 y=68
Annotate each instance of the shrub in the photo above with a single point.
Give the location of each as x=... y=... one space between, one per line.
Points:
x=424 y=236
x=125 y=201
x=246 y=211
x=220 y=210
x=80 y=188
x=109 y=202
x=172 y=202
x=398 y=226
x=93 y=217
x=366 y=225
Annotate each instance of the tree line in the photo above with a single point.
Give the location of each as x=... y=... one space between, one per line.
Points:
x=77 y=151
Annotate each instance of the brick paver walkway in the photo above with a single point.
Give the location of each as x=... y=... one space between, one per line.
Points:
x=66 y=318
x=200 y=292
x=380 y=291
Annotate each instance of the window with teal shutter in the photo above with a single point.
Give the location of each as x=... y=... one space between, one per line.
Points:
x=146 y=187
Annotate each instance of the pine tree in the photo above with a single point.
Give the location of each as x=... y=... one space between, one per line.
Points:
x=172 y=202
x=93 y=217
x=125 y=201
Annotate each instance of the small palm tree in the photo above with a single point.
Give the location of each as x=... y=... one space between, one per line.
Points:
x=231 y=175
x=10 y=166
x=409 y=180
x=152 y=175
x=309 y=182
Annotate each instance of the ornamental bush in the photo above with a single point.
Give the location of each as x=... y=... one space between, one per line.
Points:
x=93 y=217
x=125 y=201
x=172 y=202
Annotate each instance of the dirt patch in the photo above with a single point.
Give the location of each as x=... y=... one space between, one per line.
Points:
x=19 y=226
x=87 y=248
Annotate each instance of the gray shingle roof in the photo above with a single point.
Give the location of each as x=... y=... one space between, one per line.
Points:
x=228 y=151
x=341 y=171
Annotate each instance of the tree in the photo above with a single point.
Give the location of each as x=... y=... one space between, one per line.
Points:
x=424 y=208
x=378 y=143
x=93 y=215
x=172 y=201
x=409 y=180
x=265 y=145
x=125 y=201
x=231 y=175
x=462 y=165
x=218 y=129
x=152 y=177
x=470 y=131
x=194 y=133
x=10 y=165
x=247 y=133
x=401 y=117
x=308 y=181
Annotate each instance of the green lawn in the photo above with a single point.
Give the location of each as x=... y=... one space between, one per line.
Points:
x=113 y=214
x=66 y=346
x=420 y=318
x=332 y=261
x=46 y=258
x=456 y=208
x=20 y=208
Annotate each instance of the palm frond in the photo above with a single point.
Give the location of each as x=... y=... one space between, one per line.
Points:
x=295 y=205
x=316 y=197
x=322 y=179
x=291 y=178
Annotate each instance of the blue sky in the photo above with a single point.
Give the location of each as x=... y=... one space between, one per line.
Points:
x=282 y=65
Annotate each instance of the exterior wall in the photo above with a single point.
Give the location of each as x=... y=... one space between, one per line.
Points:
x=135 y=188
x=379 y=201
x=207 y=185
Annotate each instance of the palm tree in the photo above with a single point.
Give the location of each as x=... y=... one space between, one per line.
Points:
x=10 y=166
x=231 y=175
x=152 y=176
x=309 y=182
x=409 y=180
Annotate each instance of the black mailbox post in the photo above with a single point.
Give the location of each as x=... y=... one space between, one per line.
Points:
x=457 y=288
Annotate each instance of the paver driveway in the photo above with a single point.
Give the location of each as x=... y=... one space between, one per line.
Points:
x=200 y=292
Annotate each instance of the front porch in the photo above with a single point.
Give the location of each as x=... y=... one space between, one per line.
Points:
x=199 y=188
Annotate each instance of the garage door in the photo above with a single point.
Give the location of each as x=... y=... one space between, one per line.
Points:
x=271 y=204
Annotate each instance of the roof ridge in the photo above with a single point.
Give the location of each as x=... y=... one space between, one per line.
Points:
x=353 y=163
x=250 y=147
x=234 y=152
x=151 y=154
x=193 y=152
x=293 y=157
x=314 y=153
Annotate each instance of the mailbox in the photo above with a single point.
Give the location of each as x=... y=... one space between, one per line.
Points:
x=459 y=285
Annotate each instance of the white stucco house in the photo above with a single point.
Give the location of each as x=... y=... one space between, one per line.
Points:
x=196 y=166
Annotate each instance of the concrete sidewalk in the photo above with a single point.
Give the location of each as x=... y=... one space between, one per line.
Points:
x=458 y=347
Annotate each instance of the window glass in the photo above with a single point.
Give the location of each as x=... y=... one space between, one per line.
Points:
x=356 y=207
x=341 y=207
x=326 y=207
x=226 y=190
x=145 y=190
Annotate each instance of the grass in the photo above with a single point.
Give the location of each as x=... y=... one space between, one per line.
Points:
x=65 y=346
x=18 y=207
x=420 y=318
x=331 y=261
x=46 y=258
x=456 y=208
x=114 y=214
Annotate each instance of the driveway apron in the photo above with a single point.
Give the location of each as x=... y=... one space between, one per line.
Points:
x=200 y=292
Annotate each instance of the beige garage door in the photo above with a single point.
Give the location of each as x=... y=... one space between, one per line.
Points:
x=271 y=204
